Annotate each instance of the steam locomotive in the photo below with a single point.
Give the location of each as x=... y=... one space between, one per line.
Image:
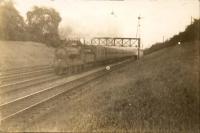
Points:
x=76 y=57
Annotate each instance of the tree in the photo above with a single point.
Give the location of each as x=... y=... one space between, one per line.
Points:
x=12 y=26
x=43 y=24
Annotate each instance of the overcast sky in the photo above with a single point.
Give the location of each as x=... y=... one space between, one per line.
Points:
x=88 y=18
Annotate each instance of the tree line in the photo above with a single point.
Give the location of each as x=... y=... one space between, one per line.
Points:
x=191 y=33
x=41 y=24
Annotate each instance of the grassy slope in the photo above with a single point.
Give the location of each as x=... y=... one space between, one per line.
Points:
x=15 y=54
x=161 y=91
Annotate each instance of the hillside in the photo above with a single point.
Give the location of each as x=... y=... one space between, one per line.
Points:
x=191 y=33
x=15 y=54
x=158 y=92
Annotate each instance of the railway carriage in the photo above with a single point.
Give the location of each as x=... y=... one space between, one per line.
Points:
x=76 y=57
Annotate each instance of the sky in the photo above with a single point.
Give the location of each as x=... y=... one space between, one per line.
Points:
x=160 y=19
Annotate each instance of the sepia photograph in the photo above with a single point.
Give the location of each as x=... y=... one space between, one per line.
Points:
x=103 y=66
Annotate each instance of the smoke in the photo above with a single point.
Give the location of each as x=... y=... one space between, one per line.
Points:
x=102 y=28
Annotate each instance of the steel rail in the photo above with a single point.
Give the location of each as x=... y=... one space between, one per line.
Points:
x=50 y=92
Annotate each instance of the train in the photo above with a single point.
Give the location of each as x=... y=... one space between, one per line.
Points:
x=74 y=56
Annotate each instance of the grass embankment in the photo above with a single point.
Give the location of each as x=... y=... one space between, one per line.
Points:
x=15 y=54
x=160 y=91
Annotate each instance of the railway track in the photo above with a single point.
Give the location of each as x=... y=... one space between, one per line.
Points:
x=23 y=84
x=7 y=78
x=13 y=109
x=19 y=78
x=23 y=69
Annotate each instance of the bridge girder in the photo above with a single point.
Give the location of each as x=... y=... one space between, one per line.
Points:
x=117 y=41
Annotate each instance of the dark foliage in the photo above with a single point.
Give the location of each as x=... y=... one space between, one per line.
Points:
x=12 y=26
x=191 y=33
x=41 y=24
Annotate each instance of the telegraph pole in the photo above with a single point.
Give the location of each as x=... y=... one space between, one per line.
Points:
x=191 y=19
x=139 y=48
x=163 y=39
x=139 y=40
